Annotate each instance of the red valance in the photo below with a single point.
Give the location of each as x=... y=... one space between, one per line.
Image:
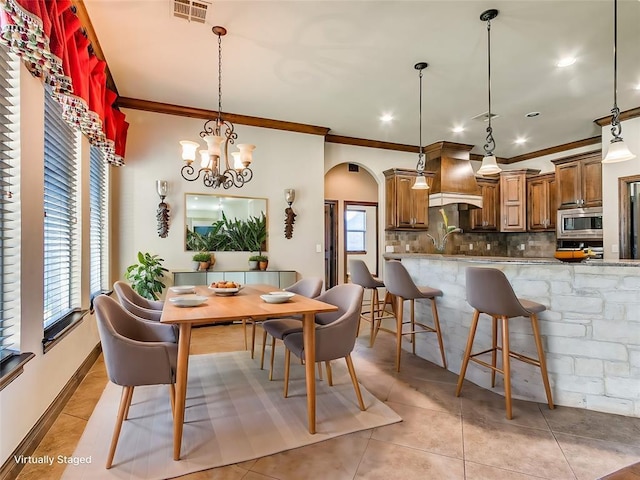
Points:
x=49 y=38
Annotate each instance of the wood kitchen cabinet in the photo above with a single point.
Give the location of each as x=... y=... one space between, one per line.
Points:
x=579 y=180
x=486 y=218
x=406 y=209
x=542 y=203
x=513 y=199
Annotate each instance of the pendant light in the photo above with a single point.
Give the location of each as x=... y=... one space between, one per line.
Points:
x=421 y=181
x=489 y=164
x=618 y=150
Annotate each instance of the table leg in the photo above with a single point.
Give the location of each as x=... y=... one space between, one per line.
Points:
x=309 y=337
x=184 y=341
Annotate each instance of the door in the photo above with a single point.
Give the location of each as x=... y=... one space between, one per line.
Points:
x=330 y=243
x=361 y=235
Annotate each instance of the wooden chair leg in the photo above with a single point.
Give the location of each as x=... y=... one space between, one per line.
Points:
x=125 y=398
x=467 y=351
x=329 y=373
x=399 y=313
x=253 y=338
x=494 y=346
x=506 y=365
x=172 y=398
x=319 y=364
x=354 y=380
x=436 y=324
x=541 y=359
x=273 y=351
x=374 y=310
x=413 y=326
x=126 y=412
x=244 y=331
x=287 y=365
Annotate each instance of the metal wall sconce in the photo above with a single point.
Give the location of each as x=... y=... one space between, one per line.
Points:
x=162 y=215
x=290 y=216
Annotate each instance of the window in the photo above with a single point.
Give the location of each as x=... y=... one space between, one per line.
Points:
x=97 y=220
x=61 y=265
x=9 y=208
x=356 y=229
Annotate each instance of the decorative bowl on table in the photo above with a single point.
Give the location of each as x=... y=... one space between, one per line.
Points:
x=571 y=256
x=225 y=289
x=182 y=289
x=277 y=297
x=188 y=300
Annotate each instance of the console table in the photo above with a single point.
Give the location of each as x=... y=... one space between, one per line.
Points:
x=278 y=278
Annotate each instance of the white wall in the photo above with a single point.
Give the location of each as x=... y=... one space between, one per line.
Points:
x=610 y=175
x=281 y=160
x=25 y=399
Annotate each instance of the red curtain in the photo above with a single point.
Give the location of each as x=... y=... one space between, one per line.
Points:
x=49 y=38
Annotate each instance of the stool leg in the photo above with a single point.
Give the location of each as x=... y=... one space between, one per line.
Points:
x=467 y=351
x=374 y=308
x=436 y=323
x=541 y=358
x=494 y=346
x=399 y=312
x=506 y=365
x=413 y=325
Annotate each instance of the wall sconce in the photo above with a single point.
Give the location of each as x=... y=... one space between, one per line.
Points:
x=162 y=215
x=290 y=216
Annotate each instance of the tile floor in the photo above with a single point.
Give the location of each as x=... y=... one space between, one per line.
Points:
x=441 y=436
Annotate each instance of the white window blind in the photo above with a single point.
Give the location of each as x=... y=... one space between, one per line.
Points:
x=9 y=207
x=98 y=220
x=61 y=275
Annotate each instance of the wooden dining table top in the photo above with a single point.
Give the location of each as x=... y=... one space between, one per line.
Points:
x=245 y=304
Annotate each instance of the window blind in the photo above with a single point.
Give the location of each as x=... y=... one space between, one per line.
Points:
x=9 y=208
x=60 y=222
x=98 y=220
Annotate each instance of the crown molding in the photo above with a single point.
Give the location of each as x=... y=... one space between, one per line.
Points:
x=556 y=149
x=362 y=142
x=626 y=115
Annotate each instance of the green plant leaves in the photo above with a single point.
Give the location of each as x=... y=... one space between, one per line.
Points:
x=231 y=236
x=145 y=275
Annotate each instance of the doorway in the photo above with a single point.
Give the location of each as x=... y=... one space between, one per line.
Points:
x=629 y=192
x=330 y=243
x=361 y=235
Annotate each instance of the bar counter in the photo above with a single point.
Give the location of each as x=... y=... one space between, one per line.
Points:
x=591 y=328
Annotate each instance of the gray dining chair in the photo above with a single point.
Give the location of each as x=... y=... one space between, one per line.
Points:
x=136 y=353
x=335 y=334
x=400 y=284
x=137 y=304
x=307 y=287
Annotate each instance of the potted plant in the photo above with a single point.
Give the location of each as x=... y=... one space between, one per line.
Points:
x=263 y=261
x=145 y=275
x=203 y=258
x=253 y=262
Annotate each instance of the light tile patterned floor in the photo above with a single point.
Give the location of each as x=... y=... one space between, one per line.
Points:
x=441 y=436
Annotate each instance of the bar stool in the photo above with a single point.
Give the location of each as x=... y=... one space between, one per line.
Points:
x=399 y=283
x=360 y=275
x=489 y=291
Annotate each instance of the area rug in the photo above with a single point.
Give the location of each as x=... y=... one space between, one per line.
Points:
x=234 y=413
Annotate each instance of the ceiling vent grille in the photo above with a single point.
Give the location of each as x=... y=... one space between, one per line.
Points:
x=191 y=10
x=484 y=117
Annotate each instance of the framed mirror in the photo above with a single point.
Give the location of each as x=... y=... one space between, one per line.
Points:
x=215 y=223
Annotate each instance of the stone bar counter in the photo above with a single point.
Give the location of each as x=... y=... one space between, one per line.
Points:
x=590 y=330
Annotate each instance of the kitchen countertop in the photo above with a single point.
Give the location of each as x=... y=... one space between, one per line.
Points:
x=515 y=260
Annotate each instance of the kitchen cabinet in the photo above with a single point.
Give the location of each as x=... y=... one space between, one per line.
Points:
x=486 y=218
x=513 y=199
x=277 y=278
x=579 y=180
x=405 y=208
x=542 y=205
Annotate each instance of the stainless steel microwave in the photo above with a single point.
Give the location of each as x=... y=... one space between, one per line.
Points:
x=580 y=223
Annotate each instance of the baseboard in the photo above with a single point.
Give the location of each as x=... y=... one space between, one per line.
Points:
x=11 y=469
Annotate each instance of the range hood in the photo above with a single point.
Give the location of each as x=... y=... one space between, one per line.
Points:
x=454 y=180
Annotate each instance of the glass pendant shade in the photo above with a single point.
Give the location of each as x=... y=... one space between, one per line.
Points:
x=618 y=152
x=205 y=160
x=420 y=183
x=489 y=166
x=237 y=162
x=162 y=186
x=213 y=144
x=189 y=150
x=246 y=153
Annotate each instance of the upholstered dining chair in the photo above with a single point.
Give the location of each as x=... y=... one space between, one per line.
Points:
x=335 y=334
x=360 y=275
x=136 y=353
x=400 y=284
x=137 y=304
x=307 y=287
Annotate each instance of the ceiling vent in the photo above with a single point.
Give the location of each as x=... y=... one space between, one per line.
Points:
x=484 y=116
x=191 y=10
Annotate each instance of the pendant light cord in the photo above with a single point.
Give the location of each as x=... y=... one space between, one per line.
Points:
x=616 y=128
x=219 y=79
x=420 y=154
x=491 y=144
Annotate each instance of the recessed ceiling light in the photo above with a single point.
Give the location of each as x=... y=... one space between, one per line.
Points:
x=458 y=129
x=387 y=117
x=565 y=62
x=520 y=140
x=637 y=87
x=532 y=114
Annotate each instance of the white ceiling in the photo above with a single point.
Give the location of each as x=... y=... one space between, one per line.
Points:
x=341 y=64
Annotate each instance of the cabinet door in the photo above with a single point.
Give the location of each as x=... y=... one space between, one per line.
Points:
x=591 y=183
x=569 y=185
x=266 y=278
x=512 y=204
x=420 y=207
x=490 y=206
x=537 y=205
x=390 y=202
x=287 y=279
x=552 y=193
x=189 y=278
x=404 y=210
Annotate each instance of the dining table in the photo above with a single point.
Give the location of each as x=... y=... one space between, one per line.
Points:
x=245 y=304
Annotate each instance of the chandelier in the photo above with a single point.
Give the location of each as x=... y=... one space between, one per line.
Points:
x=489 y=165
x=216 y=168
x=618 y=150
x=421 y=181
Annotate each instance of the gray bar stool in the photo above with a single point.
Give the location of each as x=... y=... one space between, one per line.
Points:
x=399 y=283
x=489 y=291
x=360 y=275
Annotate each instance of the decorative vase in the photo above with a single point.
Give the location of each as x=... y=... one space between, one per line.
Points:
x=263 y=264
x=213 y=261
x=253 y=265
x=195 y=266
x=204 y=266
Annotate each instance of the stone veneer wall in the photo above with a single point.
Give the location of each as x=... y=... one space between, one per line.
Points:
x=591 y=328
